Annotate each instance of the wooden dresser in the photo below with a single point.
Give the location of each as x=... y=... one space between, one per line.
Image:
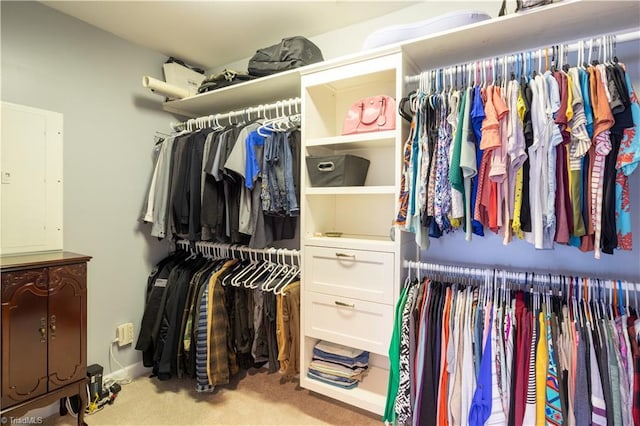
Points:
x=44 y=329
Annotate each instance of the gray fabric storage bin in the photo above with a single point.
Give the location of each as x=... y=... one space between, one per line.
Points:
x=337 y=170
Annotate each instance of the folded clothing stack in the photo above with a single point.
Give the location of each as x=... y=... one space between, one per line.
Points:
x=338 y=365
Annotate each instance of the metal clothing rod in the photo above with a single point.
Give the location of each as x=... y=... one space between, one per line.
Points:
x=452 y=272
x=283 y=108
x=501 y=60
x=208 y=248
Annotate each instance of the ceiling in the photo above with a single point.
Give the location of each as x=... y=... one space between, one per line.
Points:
x=210 y=34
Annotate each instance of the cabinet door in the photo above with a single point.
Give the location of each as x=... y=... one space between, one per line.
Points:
x=24 y=335
x=67 y=324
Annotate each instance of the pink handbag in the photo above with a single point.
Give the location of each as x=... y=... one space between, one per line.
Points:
x=372 y=114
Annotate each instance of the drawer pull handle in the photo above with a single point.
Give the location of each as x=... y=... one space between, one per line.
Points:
x=345 y=255
x=347 y=305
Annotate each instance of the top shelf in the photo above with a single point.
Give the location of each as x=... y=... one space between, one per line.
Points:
x=565 y=21
x=263 y=90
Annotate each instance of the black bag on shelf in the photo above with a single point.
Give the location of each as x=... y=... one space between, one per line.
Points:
x=290 y=53
x=223 y=79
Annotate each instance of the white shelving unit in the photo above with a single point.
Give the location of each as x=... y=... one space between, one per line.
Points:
x=351 y=282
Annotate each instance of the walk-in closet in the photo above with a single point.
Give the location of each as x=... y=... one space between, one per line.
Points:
x=299 y=213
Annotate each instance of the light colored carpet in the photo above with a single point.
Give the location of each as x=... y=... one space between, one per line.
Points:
x=253 y=398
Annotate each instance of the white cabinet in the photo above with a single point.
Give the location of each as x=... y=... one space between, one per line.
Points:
x=351 y=282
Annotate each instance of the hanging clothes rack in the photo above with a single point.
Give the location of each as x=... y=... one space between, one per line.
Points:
x=464 y=273
x=510 y=58
x=235 y=250
x=282 y=108
x=509 y=356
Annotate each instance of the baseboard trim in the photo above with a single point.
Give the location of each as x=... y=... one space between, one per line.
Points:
x=132 y=371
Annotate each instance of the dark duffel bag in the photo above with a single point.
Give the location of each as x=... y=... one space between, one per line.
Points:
x=290 y=53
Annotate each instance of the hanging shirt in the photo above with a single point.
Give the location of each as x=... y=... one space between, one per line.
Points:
x=635 y=350
x=587 y=242
x=510 y=361
x=468 y=165
x=516 y=152
x=583 y=362
x=598 y=405
x=601 y=139
x=490 y=140
x=538 y=158
x=403 y=406
x=627 y=161
x=586 y=97
x=419 y=366
x=497 y=415
x=455 y=392
x=442 y=202
x=614 y=372
x=579 y=146
x=443 y=386
x=553 y=408
x=499 y=166
x=455 y=172
x=405 y=177
x=523 y=349
x=542 y=364
x=477 y=117
x=161 y=199
x=481 y=405
x=553 y=139
x=468 y=385
x=157 y=164
x=564 y=216
x=626 y=370
x=394 y=360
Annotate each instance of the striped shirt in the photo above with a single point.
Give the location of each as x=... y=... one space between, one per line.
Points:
x=530 y=406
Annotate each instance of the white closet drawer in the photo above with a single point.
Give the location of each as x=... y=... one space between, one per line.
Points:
x=359 y=274
x=350 y=322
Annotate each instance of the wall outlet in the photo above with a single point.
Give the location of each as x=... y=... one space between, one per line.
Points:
x=124 y=334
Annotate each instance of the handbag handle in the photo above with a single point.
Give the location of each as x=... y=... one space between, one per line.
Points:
x=380 y=112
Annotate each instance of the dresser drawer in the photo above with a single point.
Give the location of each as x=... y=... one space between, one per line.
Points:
x=358 y=274
x=350 y=322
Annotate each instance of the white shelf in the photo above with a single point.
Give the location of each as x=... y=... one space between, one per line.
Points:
x=370 y=394
x=262 y=90
x=351 y=190
x=564 y=21
x=559 y=22
x=357 y=141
